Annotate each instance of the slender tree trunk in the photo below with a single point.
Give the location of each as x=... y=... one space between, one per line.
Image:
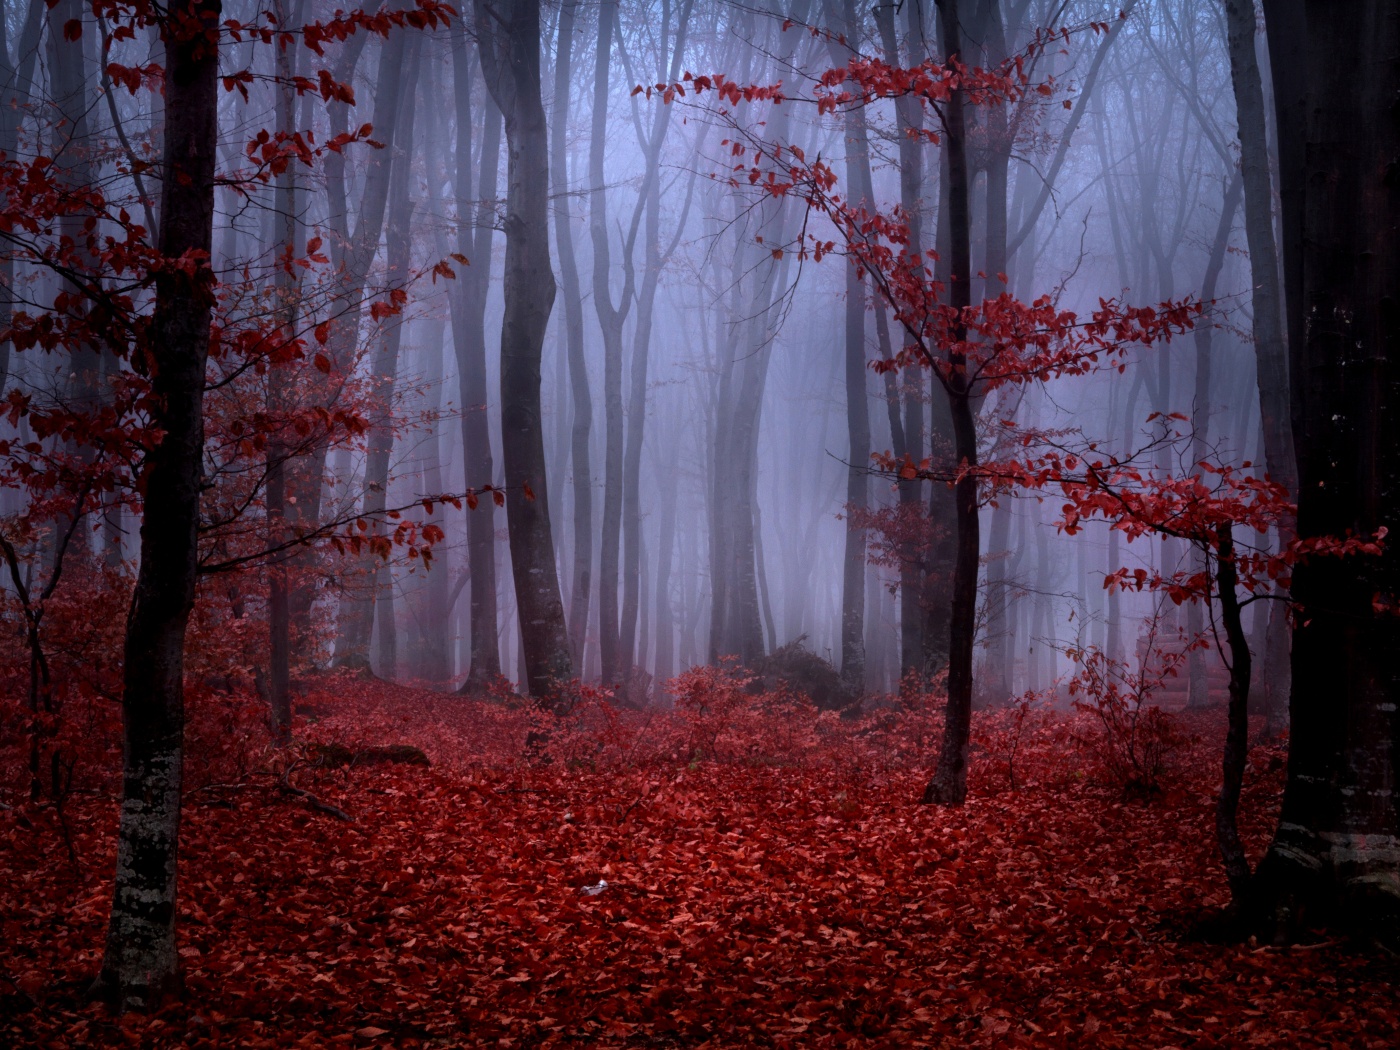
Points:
x=633 y=590
x=610 y=320
x=949 y=783
x=510 y=60
x=1336 y=855
x=1198 y=693
x=16 y=82
x=915 y=587
x=398 y=249
x=140 y=963
x=357 y=609
x=581 y=593
x=307 y=476
x=997 y=688
x=358 y=615
x=1227 y=830
x=1270 y=340
x=467 y=302
x=288 y=285
x=665 y=614
x=857 y=397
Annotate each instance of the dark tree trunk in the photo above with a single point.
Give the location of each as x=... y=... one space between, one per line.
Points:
x=140 y=962
x=1198 y=694
x=1270 y=342
x=278 y=597
x=16 y=82
x=1227 y=830
x=1336 y=855
x=949 y=783
x=510 y=60
x=581 y=594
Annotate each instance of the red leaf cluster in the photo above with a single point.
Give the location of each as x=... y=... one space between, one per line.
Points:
x=792 y=903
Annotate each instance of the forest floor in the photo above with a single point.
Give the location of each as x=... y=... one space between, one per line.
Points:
x=776 y=896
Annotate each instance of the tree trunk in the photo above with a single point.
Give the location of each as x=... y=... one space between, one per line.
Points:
x=1336 y=855
x=357 y=609
x=468 y=306
x=1227 y=830
x=307 y=477
x=140 y=962
x=949 y=783
x=16 y=82
x=915 y=589
x=1270 y=343
x=857 y=397
x=580 y=597
x=656 y=259
x=1198 y=693
x=610 y=320
x=357 y=616
x=510 y=60
x=288 y=286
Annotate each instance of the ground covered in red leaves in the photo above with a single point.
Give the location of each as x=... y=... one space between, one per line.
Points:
x=791 y=894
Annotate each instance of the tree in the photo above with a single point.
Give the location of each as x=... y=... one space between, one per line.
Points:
x=509 y=42
x=1334 y=858
x=1270 y=341
x=582 y=585
x=970 y=350
x=468 y=305
x=611 y=318
x=140 y=963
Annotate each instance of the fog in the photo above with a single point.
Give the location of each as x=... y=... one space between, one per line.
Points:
x=694 y=400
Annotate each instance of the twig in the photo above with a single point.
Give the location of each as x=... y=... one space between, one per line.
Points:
x=1295 y=947
x=286 y=786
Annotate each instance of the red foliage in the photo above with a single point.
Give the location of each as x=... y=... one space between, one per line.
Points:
x=810 y=904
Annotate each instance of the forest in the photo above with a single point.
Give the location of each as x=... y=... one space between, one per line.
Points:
x=699 y=523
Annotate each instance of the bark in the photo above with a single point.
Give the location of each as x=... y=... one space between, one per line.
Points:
x=357 y=615
x=432 y=660
x=510 y=60
x=656 y=259
x=1198 y=695
x=16 y=82
x=611 y=318
x=467 y=303
x=140 y=963
x=997 y=688
x=307 y=475
x=857 y=399
x=278 y=601
x=1270 y=341
x=736 y=610
x=357 y=609
x=914 y=585
x=949 y=783
x=664 y=665
x=1336 y=856
x=1227 y=830
x=580 y=597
